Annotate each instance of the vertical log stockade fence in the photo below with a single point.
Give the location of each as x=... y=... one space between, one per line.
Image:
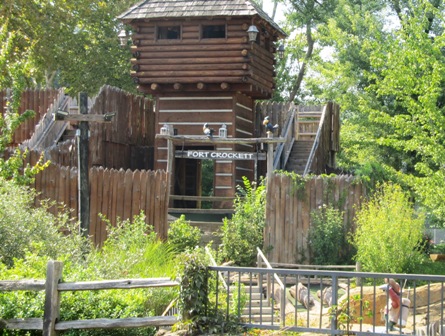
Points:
x=53 y=286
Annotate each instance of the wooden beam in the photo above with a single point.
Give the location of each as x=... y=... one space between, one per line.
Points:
x=100 y=118
x=131 y=322
x=216 y=140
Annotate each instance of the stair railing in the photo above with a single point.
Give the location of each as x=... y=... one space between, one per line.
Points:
x=261 y=258
x=314 y=148
x=47 y=123
x=213 y=262
x=284 y=149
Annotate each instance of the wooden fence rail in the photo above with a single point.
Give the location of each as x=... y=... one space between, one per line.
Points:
x=53 y=287
x=289 y=207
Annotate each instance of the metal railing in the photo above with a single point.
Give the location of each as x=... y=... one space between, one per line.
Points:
x=354 y=308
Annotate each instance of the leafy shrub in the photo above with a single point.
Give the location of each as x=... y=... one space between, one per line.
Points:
x=182 y=236
x=28 y=229
x=197 y=298
x=388 y=233
x=132 y=250
x=243 y=233
x=438 y=248
x=326 y=235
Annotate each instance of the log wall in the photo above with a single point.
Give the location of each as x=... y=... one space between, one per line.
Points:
x=193 y=63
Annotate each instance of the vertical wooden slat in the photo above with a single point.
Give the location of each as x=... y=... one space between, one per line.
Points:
x=136 y=203
x=120 y=194
x=114 y=195
x=150 y=199
x=156 y=203
x=143 y=197
x=128 y=187
x=94 y=197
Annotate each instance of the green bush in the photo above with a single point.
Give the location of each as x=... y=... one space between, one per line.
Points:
x=28 y=229
x=182 y=236
x=326 y=236
x=388 y=233
x=132 y=250
x=243 y=233
x=197 y=299
x=438 y=248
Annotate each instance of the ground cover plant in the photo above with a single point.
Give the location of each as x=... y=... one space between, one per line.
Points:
x=132 y=250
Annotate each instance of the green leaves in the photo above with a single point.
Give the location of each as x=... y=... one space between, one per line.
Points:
x=243 y=233
x=388 y=233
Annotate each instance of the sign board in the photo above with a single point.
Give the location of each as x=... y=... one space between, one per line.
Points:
x=219 y=155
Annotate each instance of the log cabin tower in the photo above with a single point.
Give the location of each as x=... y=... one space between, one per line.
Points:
x=198 y=62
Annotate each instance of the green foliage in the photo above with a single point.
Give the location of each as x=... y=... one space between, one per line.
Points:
x=12 y=75
x=438 y=248
x=388 y=233
x=71 y=50
x=327 y=235
x=387 y=75
x=182 y=236
x=197 y=300
x=27 y=229
x=193 y=299
x=132 y=250
x=243 y=233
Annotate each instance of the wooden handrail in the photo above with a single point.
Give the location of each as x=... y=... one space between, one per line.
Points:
x=316 y=142
x=283 y=149
x=262 y=258
x=213 y=262
x=202 y=198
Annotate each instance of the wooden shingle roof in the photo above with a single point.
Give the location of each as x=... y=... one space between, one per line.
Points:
x=156 y=9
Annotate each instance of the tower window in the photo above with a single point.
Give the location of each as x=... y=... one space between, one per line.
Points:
x=214 y=31
x=169 y=33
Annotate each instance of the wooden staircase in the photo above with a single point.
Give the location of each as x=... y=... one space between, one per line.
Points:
x=308 y=123
x=258 y=309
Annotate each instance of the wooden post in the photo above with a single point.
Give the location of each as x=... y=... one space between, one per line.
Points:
x=170 y=159
x=269 y=160
x=52 y=298
x=82 y=174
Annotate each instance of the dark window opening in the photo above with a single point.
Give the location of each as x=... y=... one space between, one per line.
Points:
x=214 y=31
x=169 y=33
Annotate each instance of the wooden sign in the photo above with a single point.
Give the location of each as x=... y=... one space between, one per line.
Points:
x=219 y=155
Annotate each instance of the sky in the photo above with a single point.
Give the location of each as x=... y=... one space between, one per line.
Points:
x=268 y=8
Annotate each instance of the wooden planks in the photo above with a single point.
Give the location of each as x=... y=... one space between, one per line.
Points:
x=289 y=207
x=113 y=193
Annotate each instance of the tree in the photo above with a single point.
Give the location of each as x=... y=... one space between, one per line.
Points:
x=70 y=43
x=388 y=233
x=303 y=20
x=388 y=78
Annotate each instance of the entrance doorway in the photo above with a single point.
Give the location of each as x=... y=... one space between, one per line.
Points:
x=193 y=178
